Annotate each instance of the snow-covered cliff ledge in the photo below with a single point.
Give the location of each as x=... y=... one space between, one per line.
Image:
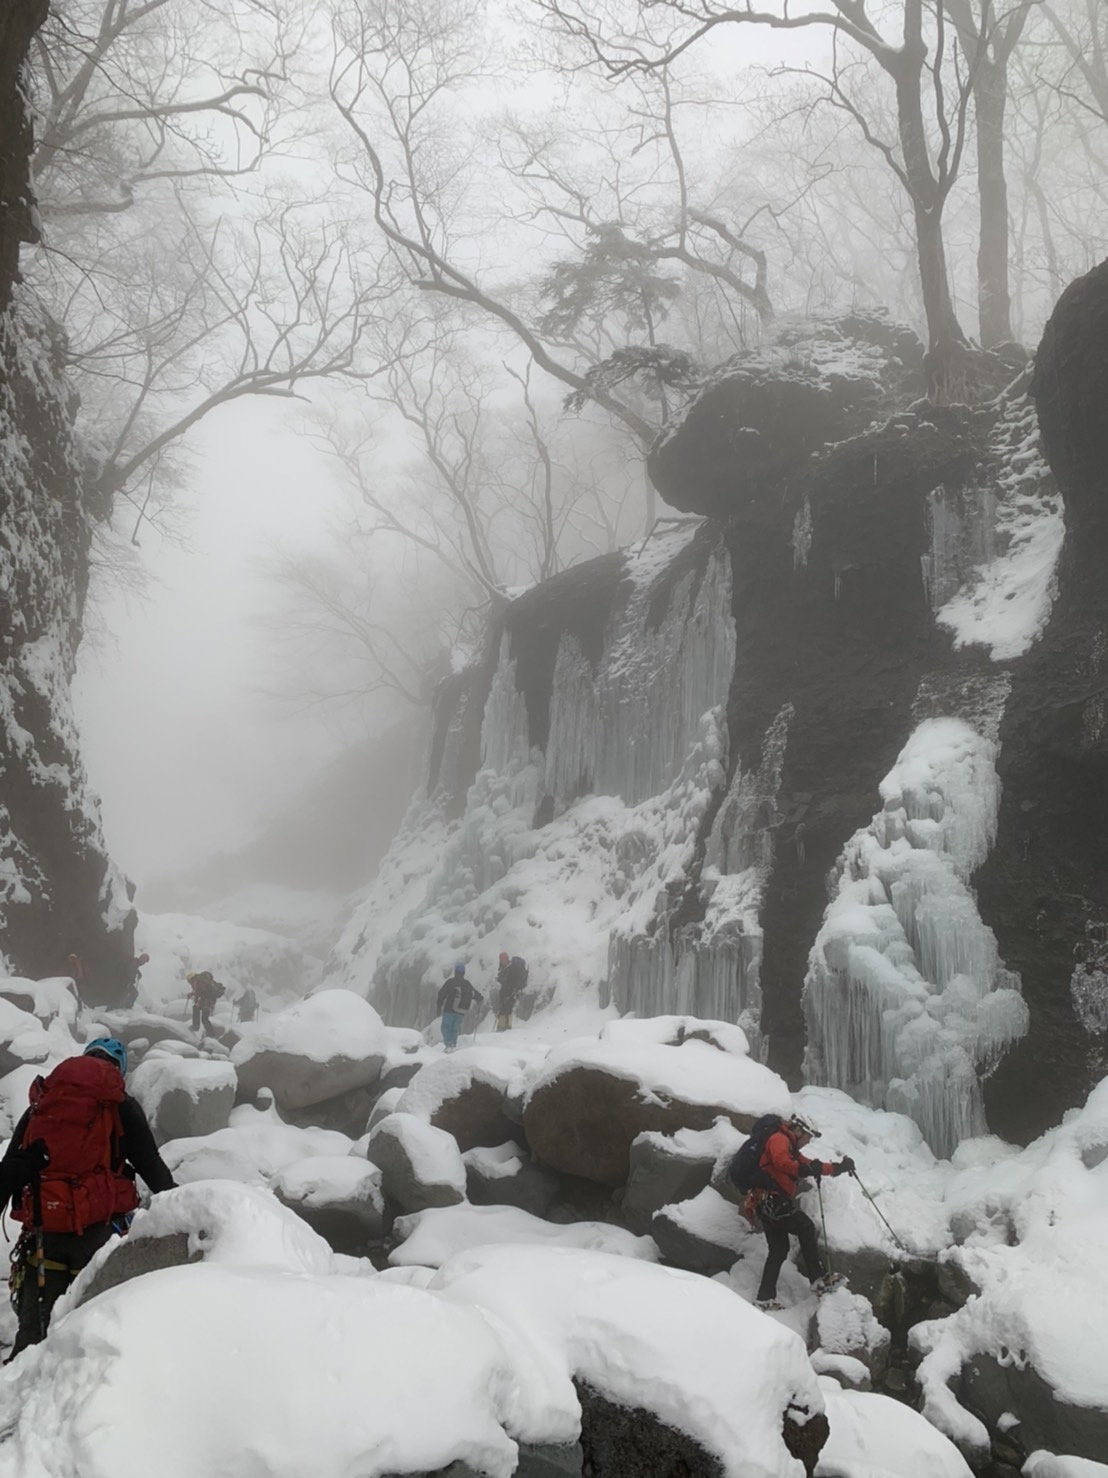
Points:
x=58 y=890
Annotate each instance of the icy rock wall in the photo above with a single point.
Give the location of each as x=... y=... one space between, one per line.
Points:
x=58 y=890
x=581 y=824
x=906 y=1002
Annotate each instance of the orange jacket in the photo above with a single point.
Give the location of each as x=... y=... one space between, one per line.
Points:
x=783 y=1162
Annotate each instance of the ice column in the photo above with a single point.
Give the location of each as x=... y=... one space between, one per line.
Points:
x=906 y=1001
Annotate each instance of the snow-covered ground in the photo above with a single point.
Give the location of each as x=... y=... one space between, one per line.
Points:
x=278 y=1341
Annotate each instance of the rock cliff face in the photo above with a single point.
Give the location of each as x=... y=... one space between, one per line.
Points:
x=748 y=771
x=1044 y=889
x=58 y=891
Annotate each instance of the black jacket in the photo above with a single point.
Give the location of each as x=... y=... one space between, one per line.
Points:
x=138 y=1146
x=512 y=978
x=457 y=994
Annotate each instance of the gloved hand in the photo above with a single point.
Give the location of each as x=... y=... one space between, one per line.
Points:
x=845 y=1166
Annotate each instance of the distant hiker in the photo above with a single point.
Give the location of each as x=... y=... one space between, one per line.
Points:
x=129 y=979
x=78 y=972
x=246 y=1007
x=69 y=1172
x=203 y=993
x=512 y=980
x=767 y=1169
x=455 y=998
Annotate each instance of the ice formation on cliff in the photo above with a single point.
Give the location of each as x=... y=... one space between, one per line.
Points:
x=906 y=1000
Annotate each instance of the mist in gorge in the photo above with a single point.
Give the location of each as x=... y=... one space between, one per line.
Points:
x=553 y=739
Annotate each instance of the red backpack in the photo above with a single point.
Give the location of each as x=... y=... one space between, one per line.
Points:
x=75 y=1113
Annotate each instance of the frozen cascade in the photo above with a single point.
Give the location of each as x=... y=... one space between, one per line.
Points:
x=628 y=729
x=637 y=747
x=906 y=1001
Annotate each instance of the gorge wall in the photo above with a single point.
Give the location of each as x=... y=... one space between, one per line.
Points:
x=814 y=758
x=59 y=892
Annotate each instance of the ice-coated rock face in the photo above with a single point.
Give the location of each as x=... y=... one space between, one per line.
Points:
x=58 y=891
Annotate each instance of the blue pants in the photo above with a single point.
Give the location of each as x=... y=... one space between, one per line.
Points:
x=451 y=1026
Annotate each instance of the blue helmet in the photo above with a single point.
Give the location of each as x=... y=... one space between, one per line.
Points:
x=459 y=969
x=111 y=1048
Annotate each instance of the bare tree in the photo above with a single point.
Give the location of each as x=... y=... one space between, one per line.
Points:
x=989 y=35
x=1082 y=29
x=931 y=91
x=151 y=114
x=395 y=64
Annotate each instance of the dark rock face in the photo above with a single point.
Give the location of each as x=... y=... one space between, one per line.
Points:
x=60 y=894
x=1044 y=889
x=629 y=1442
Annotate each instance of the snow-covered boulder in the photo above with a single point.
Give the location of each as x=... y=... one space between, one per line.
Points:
x=338 y=1195
x=465 y=1094
x=430 y=1238
x=130 y=1025
x=848 y=1330
x=593 y=1099
x=23 y=1038
x=505 y=1175
x=704 y=1234
x=385 y=1105
x=683 y=1349
x=183 y=1097
x=874 y=1435
x=421 y=1166
x=667 y=1168
x=315 y=1050
x=254 y=1148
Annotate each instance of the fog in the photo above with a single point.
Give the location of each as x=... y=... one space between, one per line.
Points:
x=487 y=254
x=188 y=751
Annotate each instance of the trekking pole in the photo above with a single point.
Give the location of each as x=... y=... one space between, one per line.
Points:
x=880 y=1213
x=823 y=1221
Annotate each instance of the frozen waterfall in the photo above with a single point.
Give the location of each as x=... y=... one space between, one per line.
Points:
x=906 y=1001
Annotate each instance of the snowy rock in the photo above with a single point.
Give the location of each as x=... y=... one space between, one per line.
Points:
x=847 y=1328
x=752 y=430
x=421 y=1166
x=586 y=1109
x=871 y=1435
x=256 y=1145
x=338 y=1196
x=183 y=1097
x=385 y=1105
x=464 y=1094
x=668 y=1168
x=506 y=1175
x=430 y=1238
x=704 y=1234
x=316 y=1050
x=347 y=1113
x=129 y=1025
x=23 y=1039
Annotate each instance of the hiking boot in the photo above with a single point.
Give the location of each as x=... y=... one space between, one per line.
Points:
x=828 y=1283
x=768 y=1305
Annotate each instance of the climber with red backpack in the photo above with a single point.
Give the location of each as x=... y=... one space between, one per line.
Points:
x=69 y=1172
x=767 y=1169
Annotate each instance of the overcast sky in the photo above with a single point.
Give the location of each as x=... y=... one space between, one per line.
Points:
x=186 y=755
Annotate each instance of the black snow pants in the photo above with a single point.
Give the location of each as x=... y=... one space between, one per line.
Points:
x=789 y=1221
x=64 y=1255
